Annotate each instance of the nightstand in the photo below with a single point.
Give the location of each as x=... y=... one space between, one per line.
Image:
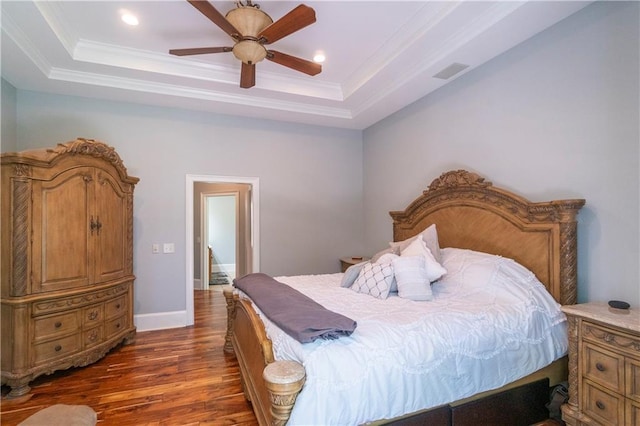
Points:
x=604 y=365
x=345 y=262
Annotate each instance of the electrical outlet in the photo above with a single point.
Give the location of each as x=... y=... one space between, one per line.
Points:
x=155 y=248
x=169 y=248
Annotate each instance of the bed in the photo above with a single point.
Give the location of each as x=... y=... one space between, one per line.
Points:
x=473 y=219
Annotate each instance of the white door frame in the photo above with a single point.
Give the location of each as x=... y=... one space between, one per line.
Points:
x=255 y=228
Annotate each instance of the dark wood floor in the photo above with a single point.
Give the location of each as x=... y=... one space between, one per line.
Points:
x=167 y=377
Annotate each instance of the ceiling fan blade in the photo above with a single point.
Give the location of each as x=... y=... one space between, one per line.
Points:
x=248 y=76
x=293 y=21
x=199 y=51
x=216 y=17
x=294 y=63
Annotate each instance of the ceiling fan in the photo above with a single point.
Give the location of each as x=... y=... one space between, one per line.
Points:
x=252 y=29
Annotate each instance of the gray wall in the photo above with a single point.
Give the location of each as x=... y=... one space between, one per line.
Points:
x=8 y=137
x=310 y=181
x=556 y=117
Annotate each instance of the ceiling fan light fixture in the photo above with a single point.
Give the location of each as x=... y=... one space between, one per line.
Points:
x=251 y=29
x=249 y=51
x=249 y=20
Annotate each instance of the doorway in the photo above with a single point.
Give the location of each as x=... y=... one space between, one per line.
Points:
x=221 y=240
x=247 y=228
x=224 y=231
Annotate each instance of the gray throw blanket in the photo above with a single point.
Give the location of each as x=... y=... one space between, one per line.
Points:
x=296 y=314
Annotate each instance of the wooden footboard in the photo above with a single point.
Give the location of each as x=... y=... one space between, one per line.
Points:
x=271 y=386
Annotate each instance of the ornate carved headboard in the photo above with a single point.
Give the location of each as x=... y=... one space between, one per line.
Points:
x=471 y=213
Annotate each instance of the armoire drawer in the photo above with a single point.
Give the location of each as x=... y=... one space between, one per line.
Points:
x=53 y=349
x=116 y=326
x=116 y=307
x=92 y=315
x=55 y=325
x=93 y=336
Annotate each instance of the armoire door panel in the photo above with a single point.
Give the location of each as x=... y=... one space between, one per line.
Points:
x=60 y=239
x=110 y=235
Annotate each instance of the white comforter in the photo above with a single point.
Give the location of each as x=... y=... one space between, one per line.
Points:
x=491 y=322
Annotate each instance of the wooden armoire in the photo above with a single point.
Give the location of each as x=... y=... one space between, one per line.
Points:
x=67 y=259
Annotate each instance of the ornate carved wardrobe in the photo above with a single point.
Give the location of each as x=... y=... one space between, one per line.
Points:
x=67 y=259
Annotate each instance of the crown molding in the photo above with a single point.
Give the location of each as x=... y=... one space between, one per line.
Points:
x=142 y=60
x=54 y=17
x=94 y=79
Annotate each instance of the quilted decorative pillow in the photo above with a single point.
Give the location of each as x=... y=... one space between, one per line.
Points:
x=374 y=279
x=419 y=248
x=429 y=236
x=388 y=258
x=411 y=276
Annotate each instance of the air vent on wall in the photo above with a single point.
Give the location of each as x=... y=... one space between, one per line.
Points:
x=451 y=70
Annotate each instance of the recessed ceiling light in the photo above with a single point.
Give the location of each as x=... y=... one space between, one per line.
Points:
x=319 y=58
x=129 y=19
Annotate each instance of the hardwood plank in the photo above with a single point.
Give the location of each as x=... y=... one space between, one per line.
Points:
x=167 y=377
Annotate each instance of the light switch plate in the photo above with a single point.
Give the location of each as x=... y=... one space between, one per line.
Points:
x=168 y=248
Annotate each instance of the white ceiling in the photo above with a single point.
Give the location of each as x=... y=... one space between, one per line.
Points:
x=381 y=55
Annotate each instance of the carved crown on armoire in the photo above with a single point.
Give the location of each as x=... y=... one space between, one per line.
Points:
x=67 y=259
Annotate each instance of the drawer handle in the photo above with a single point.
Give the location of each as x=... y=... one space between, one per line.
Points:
x=118 y=306
x=93 y=315
x=118 y=325
x=600 y=367
x=57 y=324
x=600 y=405
x=93 y=336
x=58 y=348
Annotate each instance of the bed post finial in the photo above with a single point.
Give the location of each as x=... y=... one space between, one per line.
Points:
x=284 y=380
x=231 y=314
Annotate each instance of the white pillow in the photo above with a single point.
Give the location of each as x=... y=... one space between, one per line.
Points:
x=351 y=274
x=430 y=237
x=374 y=279
x=412 y=279
x=419 y=248
x=381 y=253
x=386 y=258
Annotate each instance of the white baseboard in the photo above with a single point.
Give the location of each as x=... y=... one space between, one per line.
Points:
x=229 y=268
x=160 y=321
x=197 y=284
